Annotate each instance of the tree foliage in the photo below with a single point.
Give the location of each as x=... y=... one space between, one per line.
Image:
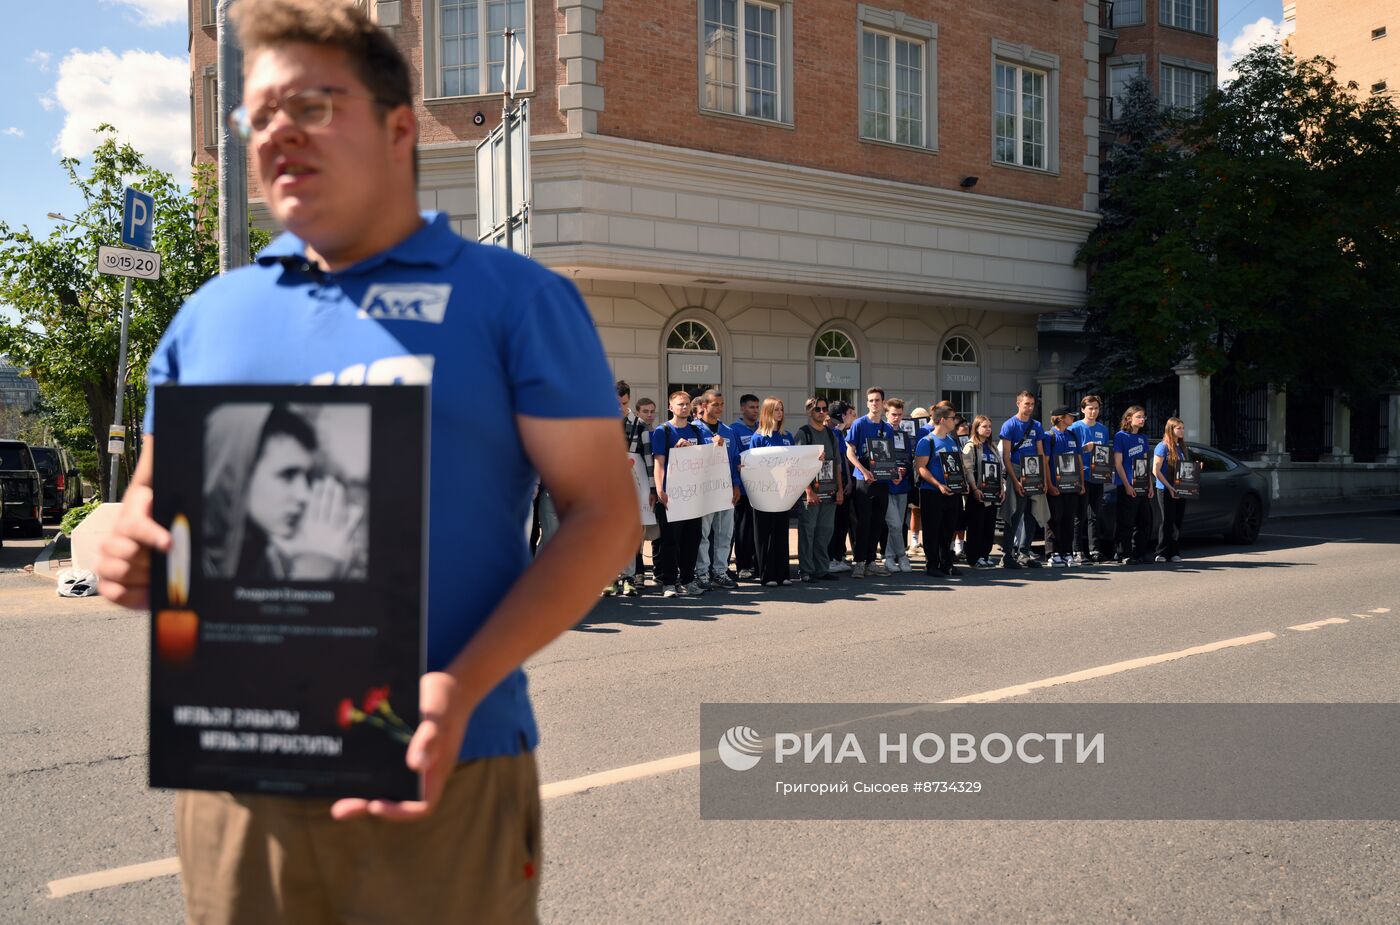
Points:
x=68 y=328
x=1260 y=235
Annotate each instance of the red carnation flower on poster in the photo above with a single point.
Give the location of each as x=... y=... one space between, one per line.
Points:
x=377 y=713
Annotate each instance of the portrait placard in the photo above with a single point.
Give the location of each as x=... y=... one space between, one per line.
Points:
x=288 y=617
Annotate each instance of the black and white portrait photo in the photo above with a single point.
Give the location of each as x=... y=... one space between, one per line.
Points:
x=1030 y=467
x=1066 y=465
x=286 y=490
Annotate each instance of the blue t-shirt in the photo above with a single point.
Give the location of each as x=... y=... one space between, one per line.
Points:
x=665 y=438
x=862 y=430
x=931 y=446
x=1089 y=433
x=743 y=433
x=1132 y=446
x=782 y=439
x=722 y=429
x=487 y=329
x=1056 y=443
x=1161 y=453
x=1023 y=437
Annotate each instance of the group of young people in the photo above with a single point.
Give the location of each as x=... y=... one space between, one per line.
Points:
x=891 y=485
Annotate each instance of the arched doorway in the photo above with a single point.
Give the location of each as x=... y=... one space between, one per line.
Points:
x=692 y=358
x=960 y=375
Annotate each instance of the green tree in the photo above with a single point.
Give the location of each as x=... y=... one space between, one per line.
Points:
x=1260 y=235
x=68 y=327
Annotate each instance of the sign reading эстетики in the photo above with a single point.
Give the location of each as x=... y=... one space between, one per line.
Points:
x=118 y=261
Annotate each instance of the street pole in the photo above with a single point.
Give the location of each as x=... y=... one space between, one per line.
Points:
x=121 y=388
x=508 y=82
x=233 y=162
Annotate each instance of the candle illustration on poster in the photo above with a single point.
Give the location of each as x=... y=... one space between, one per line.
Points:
x=177 y=629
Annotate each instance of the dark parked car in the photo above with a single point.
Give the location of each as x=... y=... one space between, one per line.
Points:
x=1234 y=501
x=63 y=487
x=22 y=487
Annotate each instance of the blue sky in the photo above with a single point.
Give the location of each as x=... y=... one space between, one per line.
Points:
x=69 y=64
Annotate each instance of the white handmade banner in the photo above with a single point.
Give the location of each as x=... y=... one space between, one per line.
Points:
x=639 y=480
x=698 y=482
x=776 y=476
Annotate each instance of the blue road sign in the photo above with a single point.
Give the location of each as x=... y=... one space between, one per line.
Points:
x=138 y=218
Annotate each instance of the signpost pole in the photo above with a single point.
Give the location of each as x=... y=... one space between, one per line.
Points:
x=121 y=387
x=506 y=117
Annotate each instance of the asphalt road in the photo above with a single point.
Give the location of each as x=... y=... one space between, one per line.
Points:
x=625 y=687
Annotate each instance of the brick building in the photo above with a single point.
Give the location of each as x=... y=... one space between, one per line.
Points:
x=1355 y=34
x=779 y=195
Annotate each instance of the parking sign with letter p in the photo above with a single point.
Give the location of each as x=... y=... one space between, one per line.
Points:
x=138 y=218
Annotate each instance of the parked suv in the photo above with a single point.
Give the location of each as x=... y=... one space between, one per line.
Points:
x=63 y=487
x=22 y=487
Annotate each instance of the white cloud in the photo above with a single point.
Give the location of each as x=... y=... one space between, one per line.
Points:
x=143 y=93
x=40 y=59
x=1262 y=31
x=156 y=12
x=14 y=132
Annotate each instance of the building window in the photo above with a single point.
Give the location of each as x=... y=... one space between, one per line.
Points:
x=1128 y=13
x=1378 y=87
x=1187 y=14
x=891 y=88
x=1020 y=116
x=742 y=65
x=467 y=53
x=1119 y=76
x=692 y=359
x=837 y=369
x=960 y=376
x=206 y=12
x=1184 y=87
x=1378 y=33
x=211 y=109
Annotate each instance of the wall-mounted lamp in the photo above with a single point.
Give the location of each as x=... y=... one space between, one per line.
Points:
x=967 y=182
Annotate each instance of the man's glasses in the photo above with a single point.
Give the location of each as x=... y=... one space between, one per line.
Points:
x=309 y=108
x=821 y=408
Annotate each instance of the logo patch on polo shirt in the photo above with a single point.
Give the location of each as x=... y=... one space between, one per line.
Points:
x=407 y=302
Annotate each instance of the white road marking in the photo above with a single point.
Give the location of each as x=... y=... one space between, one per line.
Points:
x=1304 y=536
x=1380 y=610
x=1318 y=624
x=102 y=879
x=1363 y=616
x=167 y=866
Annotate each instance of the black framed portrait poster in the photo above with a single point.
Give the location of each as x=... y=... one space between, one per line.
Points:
x=287 y=631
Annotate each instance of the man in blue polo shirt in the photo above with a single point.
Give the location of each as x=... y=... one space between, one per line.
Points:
x=872 y=495
x=1021 y=437
x=362 y=289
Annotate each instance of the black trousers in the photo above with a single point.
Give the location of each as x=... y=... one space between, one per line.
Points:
x=940 y=521
x=1170 y=511
x=675 y=552
x=745 y=555
x=1134 y=524
x=772 y=542
x=981 y=530
x=1091 y=533
x=1064 y=509
x=836 y=549
x=870 y=502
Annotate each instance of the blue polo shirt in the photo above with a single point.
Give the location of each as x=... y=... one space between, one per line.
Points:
x=743 y=435
x=495 y=334
x=931 y=446
x=1090 y=433
x=761 y=440
x=1056 y=443
x=1133 y=447
x=665 y=438
x=1023 y=437
x=862 y=430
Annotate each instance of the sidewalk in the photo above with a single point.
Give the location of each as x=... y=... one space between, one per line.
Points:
x=54 y=558
x=1335 y=507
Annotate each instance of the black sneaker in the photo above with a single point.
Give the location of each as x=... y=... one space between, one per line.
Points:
x=953 y=572
x=1033 y=562
x=1012 y=562
x=828 y=577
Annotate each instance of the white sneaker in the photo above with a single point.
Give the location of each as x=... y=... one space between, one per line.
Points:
x=838 y=565
x=858 y=570
x=1160 y=559
x=1077 y=559
x=671 y=591
x=1176 y=558
x=1058 y=561
x=891 y=565
x=904 y=564
x=957 y=547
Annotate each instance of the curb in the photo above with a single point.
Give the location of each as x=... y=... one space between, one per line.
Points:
x=1390 y=509
x=46 y=566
